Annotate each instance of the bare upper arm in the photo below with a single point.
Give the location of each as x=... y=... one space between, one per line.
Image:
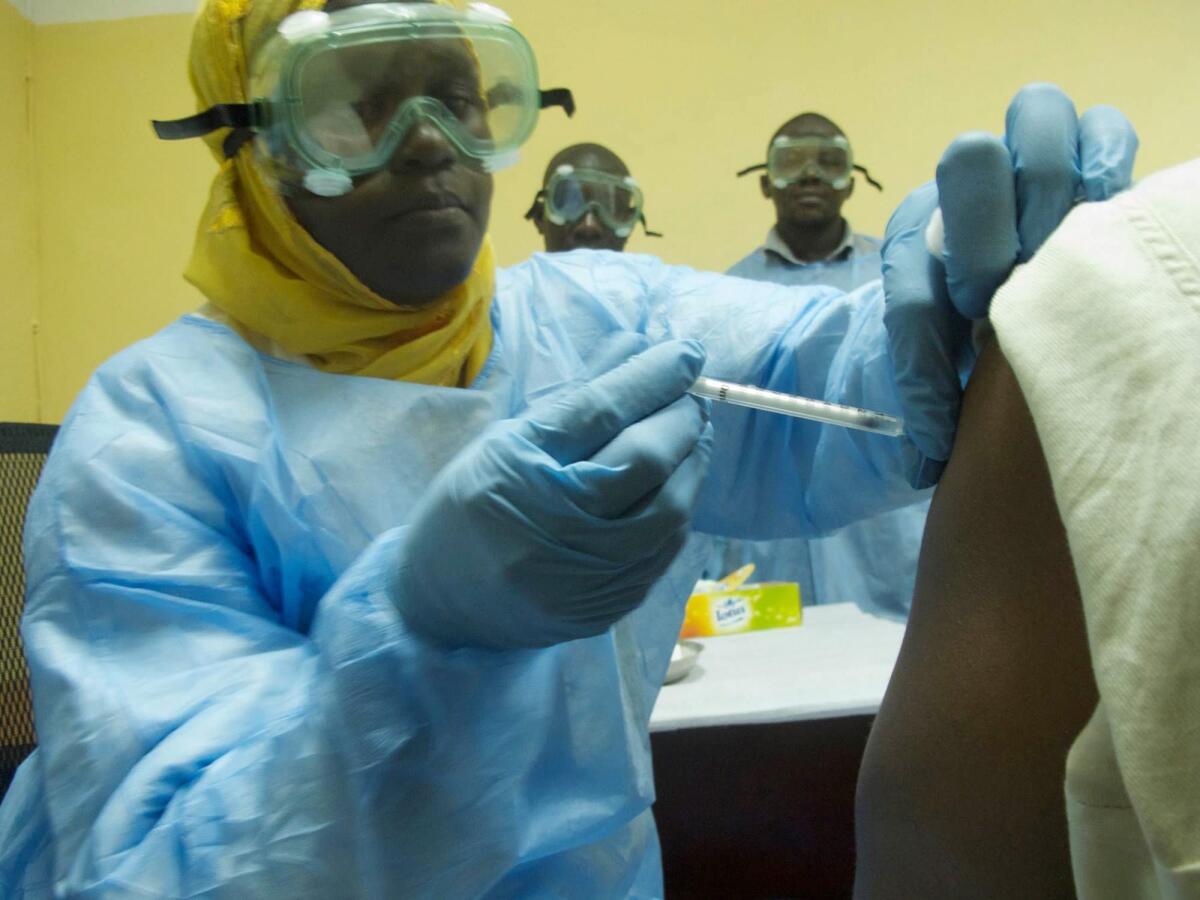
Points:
x=961 y=789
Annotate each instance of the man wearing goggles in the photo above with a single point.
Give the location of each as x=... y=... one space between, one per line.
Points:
x=809 y=176
x=361 y=582
x=588 y=200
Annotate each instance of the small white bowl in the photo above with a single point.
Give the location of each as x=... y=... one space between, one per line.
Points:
x=683 y=660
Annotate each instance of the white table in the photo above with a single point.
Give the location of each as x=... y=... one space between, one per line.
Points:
x=836 y=663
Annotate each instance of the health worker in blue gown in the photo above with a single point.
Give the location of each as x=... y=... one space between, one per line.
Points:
x=361 y=580
x=809 y=175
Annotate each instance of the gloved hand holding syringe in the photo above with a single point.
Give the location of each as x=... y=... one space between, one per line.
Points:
x=800 y=407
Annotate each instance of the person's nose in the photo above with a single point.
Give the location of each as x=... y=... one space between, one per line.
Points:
x=424 y=147
x=590 y=227
x=812 y=173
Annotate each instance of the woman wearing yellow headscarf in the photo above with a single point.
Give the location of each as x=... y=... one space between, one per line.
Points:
x=260 y=267
x=362 y=581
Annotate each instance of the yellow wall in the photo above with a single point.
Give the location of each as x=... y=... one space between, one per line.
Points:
x=687 y=92
x=690 y=92
x=117 y=207
x=18 y=224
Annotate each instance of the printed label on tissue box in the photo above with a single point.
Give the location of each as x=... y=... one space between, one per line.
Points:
x=730 y=613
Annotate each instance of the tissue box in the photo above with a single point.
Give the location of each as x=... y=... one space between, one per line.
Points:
x=751 y=607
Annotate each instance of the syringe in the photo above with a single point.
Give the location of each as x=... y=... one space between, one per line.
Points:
x=800 y=407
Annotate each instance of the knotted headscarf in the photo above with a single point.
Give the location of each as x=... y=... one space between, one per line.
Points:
x=258 y=266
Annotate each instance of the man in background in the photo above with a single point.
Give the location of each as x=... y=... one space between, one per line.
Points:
x=808 y=177
x=588 y=200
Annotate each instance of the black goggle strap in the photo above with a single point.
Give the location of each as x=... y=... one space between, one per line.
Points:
x=646 y=228
x=761 y=167
x=867 y=175
x=506 y=93
x=560 y=97
x=223 y=115
x=539 y=203
x=235 y=141
x=241 y=117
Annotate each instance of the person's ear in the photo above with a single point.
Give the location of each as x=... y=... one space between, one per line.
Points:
x=850 y=188
x=539 y=218
x=764 y=182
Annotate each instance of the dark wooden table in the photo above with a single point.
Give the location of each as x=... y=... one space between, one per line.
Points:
x=759 y=811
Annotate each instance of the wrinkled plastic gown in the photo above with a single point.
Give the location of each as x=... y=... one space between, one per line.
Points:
x=227 y=701
x=873 y=562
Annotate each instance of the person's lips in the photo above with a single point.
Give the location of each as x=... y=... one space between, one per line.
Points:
x=591 y=241
x=809 y=197
x=428 y=204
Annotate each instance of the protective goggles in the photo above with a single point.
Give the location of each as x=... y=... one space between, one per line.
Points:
x=794 y=159
x=571 y=193
x=335 y=94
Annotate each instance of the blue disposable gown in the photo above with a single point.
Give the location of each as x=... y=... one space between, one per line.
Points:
x=873 y=562
x=229 y=704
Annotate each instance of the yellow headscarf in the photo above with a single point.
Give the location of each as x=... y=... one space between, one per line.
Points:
x=258 y=266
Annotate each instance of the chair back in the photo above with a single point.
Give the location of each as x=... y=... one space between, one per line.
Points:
x=23 y=450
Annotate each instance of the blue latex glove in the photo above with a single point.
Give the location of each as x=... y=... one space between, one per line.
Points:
x=554 y=525
x=1000 y=200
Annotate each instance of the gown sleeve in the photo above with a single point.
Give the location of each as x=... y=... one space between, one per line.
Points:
x=774 y=476
x=198 y=741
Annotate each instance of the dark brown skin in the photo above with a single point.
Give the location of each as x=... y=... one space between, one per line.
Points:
x=411 y=231
x=960 y=795
x=808 y=213
x=590 y=231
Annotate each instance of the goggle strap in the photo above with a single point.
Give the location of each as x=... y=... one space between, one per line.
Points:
x=235 y=140
x=646 y=228
x=539 y=201
x=223 y=115
x=857 y=168
x=867 y=175
x=561 y=97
